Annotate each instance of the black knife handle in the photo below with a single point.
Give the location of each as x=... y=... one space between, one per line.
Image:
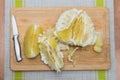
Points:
x=17 y=48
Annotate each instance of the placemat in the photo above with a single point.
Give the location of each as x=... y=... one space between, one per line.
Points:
x=64 y=75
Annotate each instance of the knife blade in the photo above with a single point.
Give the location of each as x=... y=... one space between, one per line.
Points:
x=16 y=40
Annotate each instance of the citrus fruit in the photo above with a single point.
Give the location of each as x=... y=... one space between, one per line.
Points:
x=50 y=51
x=75 y=27
x=31 y=46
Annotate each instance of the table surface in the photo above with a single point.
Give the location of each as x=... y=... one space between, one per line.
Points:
x=2 y=39
x=117 y=37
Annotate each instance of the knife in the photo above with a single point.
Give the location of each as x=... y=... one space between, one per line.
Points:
x=15 y=40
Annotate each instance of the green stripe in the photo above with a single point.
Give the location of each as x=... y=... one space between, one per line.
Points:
x=18 y=3
x=99 y=3
x=17 y=75
x=102 y=73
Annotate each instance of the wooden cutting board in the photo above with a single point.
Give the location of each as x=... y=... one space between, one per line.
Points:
x=84 y=58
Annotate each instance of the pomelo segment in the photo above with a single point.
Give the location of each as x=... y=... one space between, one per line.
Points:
x=50 y=51
x=31 y=46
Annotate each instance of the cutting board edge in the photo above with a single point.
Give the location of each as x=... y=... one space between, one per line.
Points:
x=15 y=69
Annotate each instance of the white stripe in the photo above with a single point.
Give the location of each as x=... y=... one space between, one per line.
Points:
x=48 y=3
x=112 y=72
x=7 y=71
x=23 y=4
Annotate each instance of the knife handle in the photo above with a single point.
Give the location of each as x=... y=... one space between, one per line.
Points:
x=17 y=48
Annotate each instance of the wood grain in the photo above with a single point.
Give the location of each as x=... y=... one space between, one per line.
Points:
x=1 y=39
x=47 y=17
x=117 y=35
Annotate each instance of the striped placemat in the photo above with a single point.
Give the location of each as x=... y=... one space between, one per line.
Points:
x=64 y=75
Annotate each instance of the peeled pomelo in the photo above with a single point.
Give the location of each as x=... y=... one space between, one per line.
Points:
x=50 y=50
x=31 y=46
x=75 y=27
